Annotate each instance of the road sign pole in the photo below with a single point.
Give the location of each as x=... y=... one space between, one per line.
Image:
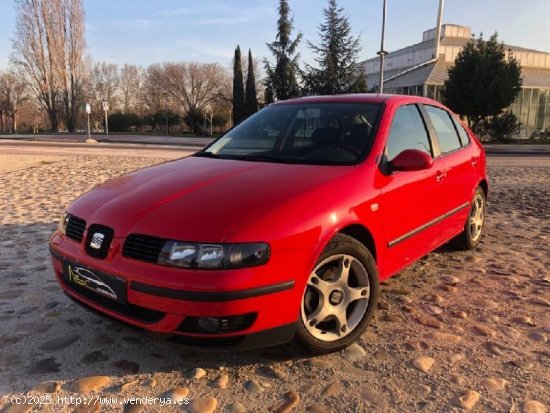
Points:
x=89 y=133
x=106 y=110
x=88 y=111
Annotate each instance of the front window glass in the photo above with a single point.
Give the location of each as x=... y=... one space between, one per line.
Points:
x=332 y=134
x=407 y=132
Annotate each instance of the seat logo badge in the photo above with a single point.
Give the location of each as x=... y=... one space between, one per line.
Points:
x=97 y=240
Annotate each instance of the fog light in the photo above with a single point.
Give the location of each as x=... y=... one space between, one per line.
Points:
x=209 y=324
x=217 y=325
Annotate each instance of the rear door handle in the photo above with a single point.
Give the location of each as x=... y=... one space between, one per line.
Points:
x=474 y=162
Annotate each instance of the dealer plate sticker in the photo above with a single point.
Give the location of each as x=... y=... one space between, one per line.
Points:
x=100 y=283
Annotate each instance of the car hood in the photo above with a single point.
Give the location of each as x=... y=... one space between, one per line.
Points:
x=198 y=199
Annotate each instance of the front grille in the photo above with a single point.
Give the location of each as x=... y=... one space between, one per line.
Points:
x=145 y=315
x=143 y=247
x=98 y=240
x=75 y=228
x=227 y=324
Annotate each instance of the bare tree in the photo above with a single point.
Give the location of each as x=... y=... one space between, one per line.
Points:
x=194 y=86
x=104 y=84
x=152 y=95
x=48 y=48
x=13 y=92
x=130 y=87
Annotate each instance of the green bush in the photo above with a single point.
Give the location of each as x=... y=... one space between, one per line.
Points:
x=159 y=120
x=501 y=128
x=124 y=122
x=194 y=119
x=543 y=135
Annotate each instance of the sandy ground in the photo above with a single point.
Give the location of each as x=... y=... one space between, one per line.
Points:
x=457 y=330
x=9 y=162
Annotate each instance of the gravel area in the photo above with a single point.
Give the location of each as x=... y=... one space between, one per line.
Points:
x=456 y=331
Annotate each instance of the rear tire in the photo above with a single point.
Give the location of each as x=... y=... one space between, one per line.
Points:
x=469 y=238
x=340 y=297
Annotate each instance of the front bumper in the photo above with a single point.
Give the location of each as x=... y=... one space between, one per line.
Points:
x=155 y=303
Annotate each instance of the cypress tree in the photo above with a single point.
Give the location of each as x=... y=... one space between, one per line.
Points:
x=282 y=75
x=251 y=98
x=238 y=89
x=268 y=94
x=337 y=54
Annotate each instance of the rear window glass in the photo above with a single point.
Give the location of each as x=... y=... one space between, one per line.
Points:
x=444 y=129
x=462 y=134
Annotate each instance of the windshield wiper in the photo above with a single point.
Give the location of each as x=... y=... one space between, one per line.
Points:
x=208 y=155
x=265 y=158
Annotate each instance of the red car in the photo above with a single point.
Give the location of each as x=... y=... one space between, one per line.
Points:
x=282 y=229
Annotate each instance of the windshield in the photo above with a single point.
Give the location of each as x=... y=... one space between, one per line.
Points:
x=331 y=134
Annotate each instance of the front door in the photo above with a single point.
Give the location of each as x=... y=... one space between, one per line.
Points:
x=411 y=201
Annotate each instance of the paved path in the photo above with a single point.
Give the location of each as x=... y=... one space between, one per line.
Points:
x=534 y=158
x=138 y=139
x=69 y=149
x=197 y=141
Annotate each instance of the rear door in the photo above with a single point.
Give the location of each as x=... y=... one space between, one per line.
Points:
x=411 y=202
x=460 y=158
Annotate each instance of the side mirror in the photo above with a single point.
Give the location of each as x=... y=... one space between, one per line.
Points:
x=411 y=160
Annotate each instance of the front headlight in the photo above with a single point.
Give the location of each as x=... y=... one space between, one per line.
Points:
x=63 y=223
x=213 y=256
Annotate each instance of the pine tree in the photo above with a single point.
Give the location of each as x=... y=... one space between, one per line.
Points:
x=337 y=53
x=282 y=76
x=251 y=98
x=482 y=82
x=238 y=89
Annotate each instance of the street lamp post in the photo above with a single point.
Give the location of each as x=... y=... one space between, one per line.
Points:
x=382 y=52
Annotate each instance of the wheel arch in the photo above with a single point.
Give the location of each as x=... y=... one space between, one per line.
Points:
x=363 y=235
x=483 y=184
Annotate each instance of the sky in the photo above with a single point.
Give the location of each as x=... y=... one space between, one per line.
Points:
x=150 y=31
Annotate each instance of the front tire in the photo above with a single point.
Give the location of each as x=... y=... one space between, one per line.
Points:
x=340 y=297
x=469 y=238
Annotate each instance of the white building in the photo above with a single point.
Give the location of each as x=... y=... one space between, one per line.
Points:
x=414 y=70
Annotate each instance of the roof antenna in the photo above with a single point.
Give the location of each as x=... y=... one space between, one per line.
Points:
x=382 y=52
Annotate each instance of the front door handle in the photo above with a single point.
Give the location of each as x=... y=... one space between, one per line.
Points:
x=474 y=162
x=440 y=176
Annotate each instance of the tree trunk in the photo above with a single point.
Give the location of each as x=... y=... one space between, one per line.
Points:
x=54 y=122
x=14 y=122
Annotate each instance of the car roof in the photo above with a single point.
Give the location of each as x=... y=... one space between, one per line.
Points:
x=357 y=98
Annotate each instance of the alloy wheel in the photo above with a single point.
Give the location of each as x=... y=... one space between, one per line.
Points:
x=477 y=216
x=336 y=298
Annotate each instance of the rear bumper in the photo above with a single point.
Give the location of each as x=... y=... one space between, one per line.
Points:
x=269 y=312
